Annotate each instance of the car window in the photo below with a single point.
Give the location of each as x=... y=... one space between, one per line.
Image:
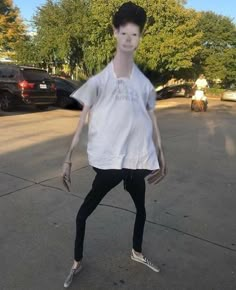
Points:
x=8 y=73
x=1 y=72
x=12 y=73
x=74 y=84
x=35 y=75
x=64 y=85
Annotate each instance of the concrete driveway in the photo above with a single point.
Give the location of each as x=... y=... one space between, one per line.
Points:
x=190 y=230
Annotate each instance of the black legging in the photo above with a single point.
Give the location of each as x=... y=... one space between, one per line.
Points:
x=104 y=181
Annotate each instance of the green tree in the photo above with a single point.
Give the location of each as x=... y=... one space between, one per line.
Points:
x=219 y=32
x=218 y=55
x=222 y=65
x=27 y=53
x=99 y=44
x=47 y=20
x=60 y=26
x=81 y=33
x=11 y=26
x=170 y=39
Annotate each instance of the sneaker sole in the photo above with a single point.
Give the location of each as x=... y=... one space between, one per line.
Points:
x=137 y=260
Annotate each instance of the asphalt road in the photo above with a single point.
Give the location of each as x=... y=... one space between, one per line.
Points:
x=190 y=230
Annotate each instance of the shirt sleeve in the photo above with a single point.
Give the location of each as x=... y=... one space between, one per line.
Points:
x=151 y=102
x=87 y=94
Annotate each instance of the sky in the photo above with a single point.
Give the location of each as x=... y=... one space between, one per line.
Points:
x=224 y=7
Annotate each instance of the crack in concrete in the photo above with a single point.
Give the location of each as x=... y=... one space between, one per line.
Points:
x=172 y=228
x=19 y=189
x=75 y=170
x=45 y=180
x=12 y=175
x=115 y=207
x=33 y=182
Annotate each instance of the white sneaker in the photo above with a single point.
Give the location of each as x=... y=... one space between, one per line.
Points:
x=143 y=260
x=71 y=275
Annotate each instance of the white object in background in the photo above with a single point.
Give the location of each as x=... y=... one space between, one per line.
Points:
x=199 y=95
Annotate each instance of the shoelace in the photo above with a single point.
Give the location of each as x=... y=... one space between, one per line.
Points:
x=148 y=262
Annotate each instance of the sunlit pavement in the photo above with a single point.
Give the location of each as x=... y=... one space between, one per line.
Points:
x=190 y=230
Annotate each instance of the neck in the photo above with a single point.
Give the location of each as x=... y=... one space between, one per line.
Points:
x=123 y=64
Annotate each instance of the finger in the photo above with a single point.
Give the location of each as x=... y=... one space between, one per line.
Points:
x=65 y=183
x=65 y=177
x=155 y=181
x=161 y=177
x=154 y=178
x=157 y=178
x=153 y=173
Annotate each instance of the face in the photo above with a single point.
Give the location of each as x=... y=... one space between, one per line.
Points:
x=128 y=37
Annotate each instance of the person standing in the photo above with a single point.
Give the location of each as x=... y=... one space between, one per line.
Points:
x=201 y=83
x=124 y=142
x=199 y=99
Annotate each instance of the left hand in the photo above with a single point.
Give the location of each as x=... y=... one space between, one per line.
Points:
x=157 y=175
x=66 y=173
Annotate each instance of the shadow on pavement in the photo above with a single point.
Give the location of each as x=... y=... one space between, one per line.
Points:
x=195 y=205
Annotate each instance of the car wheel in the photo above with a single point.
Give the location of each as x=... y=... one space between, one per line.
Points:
x=6 y=102
x=42 y=107
x=79 y=106
x=63 y=102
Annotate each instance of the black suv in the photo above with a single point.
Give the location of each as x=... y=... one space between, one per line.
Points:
x=25 y=85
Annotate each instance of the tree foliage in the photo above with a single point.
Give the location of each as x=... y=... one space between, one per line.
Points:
x=60 y=27
x=218 y=32
x=27 y=52
x=176 y=40
x=218 y=55
x=222 y=65
x=80 y=32
x=170 y=39
x=11 y=26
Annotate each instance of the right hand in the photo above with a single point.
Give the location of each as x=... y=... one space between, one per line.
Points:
x=157 y=175
x=66 y=173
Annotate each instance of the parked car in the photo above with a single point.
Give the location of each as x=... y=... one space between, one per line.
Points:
x=25 y=85
x=183 y=90
x=64 y=88
x=229 y=95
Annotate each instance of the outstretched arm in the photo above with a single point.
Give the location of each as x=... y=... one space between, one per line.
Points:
x=157 y=175
x=78 y=131
x=66 y=169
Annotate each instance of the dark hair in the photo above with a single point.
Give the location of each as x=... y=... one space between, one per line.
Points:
x=129 y=12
